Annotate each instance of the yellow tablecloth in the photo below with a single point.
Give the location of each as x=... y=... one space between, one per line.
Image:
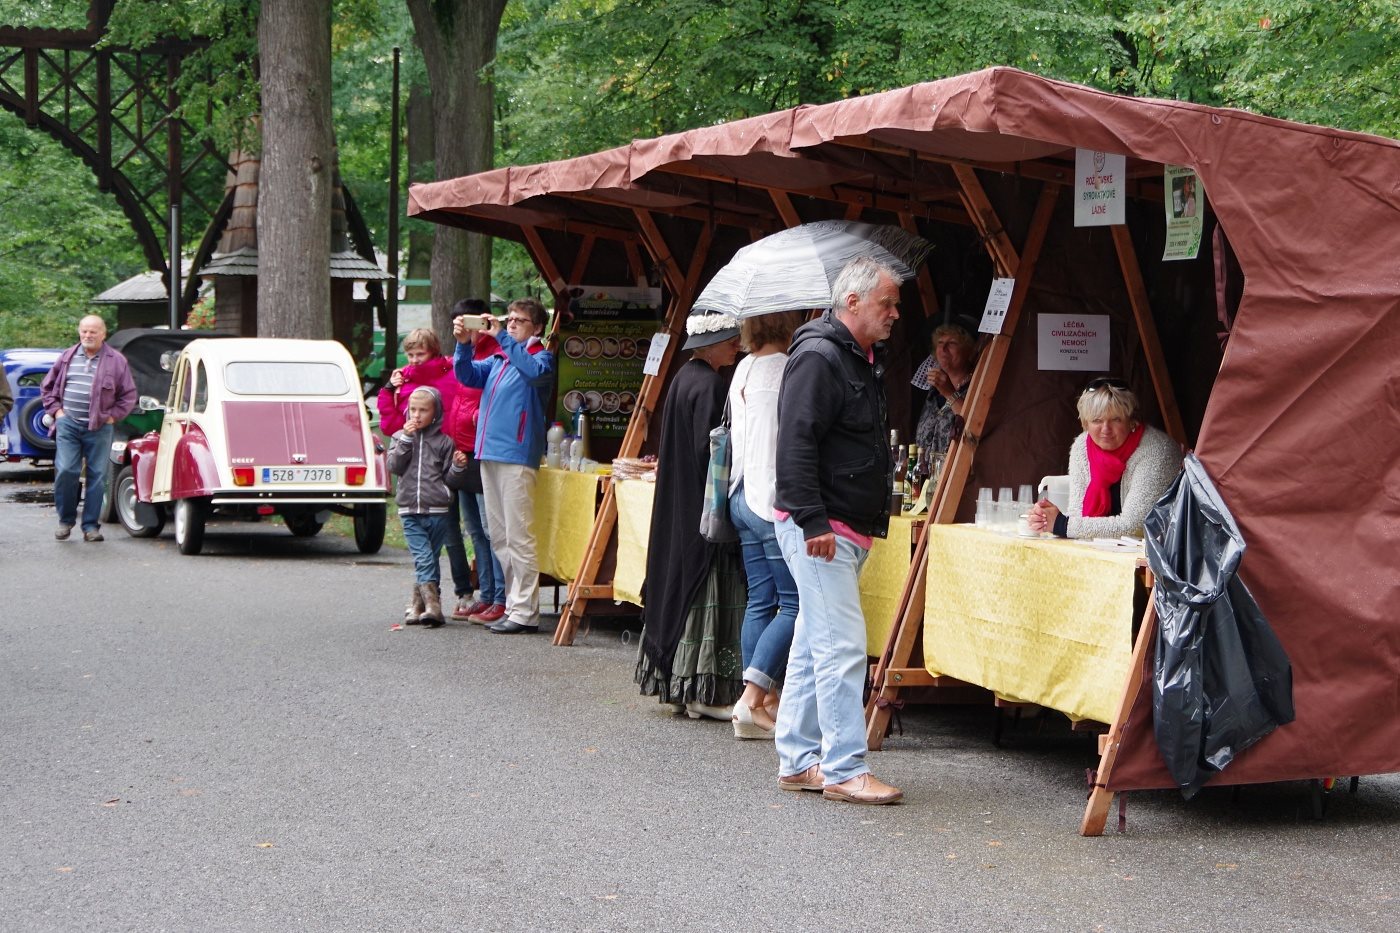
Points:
x=633 y=497
x=565 y=504
x=1044 y=621
x=882 y=582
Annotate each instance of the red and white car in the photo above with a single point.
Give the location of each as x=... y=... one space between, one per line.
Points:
x=255 y=428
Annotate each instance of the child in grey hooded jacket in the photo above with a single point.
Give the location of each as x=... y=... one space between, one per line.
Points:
x=421 y=457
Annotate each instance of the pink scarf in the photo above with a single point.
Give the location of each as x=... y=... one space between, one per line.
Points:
x=1106 y=468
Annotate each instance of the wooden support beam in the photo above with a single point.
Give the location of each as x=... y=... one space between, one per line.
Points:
x=585 y=253
x=683 y=291
x=957 y=466
x=1147 y=329
x=927 y=293
x=984 y=217
x=786 y=211
x=1100 y=797
x=543 y=260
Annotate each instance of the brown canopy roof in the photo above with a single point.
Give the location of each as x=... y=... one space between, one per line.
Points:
x=1302 y=428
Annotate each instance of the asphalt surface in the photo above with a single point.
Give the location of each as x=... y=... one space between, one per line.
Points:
x=240 y=741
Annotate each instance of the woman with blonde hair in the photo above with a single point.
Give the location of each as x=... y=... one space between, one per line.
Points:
x=1118 y=468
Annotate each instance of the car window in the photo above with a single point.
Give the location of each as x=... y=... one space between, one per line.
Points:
x=285 y=378
x=177 y=387
x=201 y=388
x=187 y=395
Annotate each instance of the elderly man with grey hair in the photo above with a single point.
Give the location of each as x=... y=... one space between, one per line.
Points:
x=88 y=391
x=834 y=470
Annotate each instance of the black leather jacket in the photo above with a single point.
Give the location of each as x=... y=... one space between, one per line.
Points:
x=833 y=458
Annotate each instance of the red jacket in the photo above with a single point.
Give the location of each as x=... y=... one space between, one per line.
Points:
x=436 y=373
x=462 y=423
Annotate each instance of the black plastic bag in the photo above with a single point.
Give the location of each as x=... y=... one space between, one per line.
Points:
x=1221 y=679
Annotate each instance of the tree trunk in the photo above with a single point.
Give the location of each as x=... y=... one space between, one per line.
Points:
x=458 y=42
x=297 y=177
x=419 y=116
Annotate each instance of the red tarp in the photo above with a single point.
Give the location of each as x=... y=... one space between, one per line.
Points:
x=1302 y=429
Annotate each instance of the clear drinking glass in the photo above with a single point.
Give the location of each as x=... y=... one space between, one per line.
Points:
x=1026 y=496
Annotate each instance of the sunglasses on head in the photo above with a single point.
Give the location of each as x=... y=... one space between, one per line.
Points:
x=1105 y=382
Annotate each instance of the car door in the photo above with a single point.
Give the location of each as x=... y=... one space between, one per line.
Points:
x=173 y=427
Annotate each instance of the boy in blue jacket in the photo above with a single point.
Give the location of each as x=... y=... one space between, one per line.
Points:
x=515 y=385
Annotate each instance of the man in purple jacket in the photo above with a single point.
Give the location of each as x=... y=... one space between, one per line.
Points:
x=88 y=390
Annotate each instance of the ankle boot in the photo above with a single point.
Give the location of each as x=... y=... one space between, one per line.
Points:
x=413 y=613
x=432 y=602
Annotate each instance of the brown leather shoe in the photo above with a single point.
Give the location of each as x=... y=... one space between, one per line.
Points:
x=865 y=788
x=811 y=779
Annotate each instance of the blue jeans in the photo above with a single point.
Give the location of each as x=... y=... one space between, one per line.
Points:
x=821 y=719
x=489 y=578
x=457 y=556
x=771 y=613
x=426 y=536
x=75 y=446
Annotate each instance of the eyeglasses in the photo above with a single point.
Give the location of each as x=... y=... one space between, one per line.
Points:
x=1105 y=382
x=513 y=319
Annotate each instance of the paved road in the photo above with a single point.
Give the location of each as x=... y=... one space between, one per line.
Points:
x=238 y=741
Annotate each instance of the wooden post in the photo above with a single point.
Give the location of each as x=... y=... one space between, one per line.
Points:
x=1101 y=798
x=910 y=617
x=683 y=291
x=1147 y=329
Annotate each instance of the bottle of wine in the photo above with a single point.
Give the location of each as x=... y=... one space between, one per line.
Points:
x=911 y=477
x=897 y=487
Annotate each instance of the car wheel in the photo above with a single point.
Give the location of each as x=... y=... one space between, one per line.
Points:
x=32 y=427
x=189 y=525
x=369 y=527
x=302 y=524
x=124 y=504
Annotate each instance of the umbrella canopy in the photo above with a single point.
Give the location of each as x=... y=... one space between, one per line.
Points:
x=794 y=269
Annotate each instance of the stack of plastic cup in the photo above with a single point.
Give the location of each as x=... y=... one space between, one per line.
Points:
x=985 y=507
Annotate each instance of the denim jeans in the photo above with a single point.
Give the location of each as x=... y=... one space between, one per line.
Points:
x=426 y=536
x=821 y=719
x=457 y=555
x=489 y=578
x=75 y=446
x=766 y=635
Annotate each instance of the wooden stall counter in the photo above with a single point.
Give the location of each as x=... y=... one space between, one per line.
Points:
x=1045 y=621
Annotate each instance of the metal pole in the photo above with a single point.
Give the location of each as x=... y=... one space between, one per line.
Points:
x=174 y=161
x=176 y=279
x=391 y=302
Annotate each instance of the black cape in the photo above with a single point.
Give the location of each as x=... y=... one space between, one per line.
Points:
x=678 y=558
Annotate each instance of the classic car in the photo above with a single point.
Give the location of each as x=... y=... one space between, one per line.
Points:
x=24 y=434
x=252 y=428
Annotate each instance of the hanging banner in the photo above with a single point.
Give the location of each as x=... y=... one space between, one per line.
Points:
x=1100 y=191
x=1184 y=206
x=1076 y=342
x=998 y=302
x=604 y=339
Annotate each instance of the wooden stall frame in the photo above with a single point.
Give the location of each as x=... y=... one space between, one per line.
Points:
x=683 y=289
x=899 y=648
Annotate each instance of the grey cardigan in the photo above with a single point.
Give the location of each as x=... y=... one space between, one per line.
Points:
x=1149 y=471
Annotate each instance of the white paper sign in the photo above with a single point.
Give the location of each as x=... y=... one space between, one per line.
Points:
x=1184 y=204
x=1099 y=188
x=658 y=350
x=1074 y=342
x=998 y=301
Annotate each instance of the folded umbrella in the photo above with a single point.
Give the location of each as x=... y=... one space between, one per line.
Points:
x=795 y=268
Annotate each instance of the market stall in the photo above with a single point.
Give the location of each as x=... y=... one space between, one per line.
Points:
x=1257 y=312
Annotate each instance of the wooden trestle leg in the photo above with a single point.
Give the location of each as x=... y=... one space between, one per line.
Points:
x=1101 y=798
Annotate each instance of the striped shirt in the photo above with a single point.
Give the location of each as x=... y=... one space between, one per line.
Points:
x=77 y=386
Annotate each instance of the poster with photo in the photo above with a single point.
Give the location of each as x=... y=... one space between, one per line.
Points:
x=604 y=338
x=1184 y=206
